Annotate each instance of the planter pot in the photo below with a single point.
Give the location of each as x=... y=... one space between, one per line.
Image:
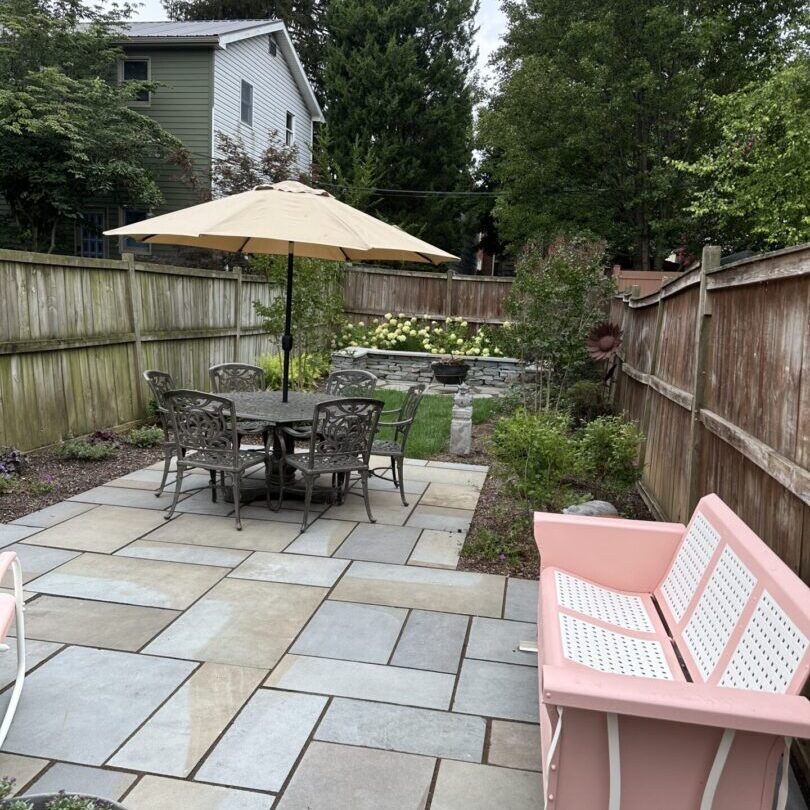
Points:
x=40 y=801
x=450 y=373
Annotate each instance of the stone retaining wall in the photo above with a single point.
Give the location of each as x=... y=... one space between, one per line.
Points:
x=414 y=367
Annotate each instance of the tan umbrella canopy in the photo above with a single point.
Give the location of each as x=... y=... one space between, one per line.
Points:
x=285 y=218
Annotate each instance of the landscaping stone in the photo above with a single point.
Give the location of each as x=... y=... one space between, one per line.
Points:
x=240 y=622
x=508 y=691
x=293 y=568
x=83 y=779
x=175 y=739
x=353 y=632
x=179 y=552
x=515 y=745
x=82 y=704
x=498 y=640
x=462 y=786
x=592 y=509
x=338 y=777
x=379 y=543
x=327 y=676
x=432 y=641
x=161 y=793
x=401 y=728
x=521 y=599
x=437 y=549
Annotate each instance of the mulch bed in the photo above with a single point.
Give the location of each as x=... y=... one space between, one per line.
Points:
x=70 y=477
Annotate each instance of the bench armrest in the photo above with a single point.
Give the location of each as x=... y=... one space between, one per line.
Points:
x=6 y=559
x=676 y=701
x=628 y=555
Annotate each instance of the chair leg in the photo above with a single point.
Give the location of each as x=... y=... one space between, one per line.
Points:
x=18 y=682
x=168 y=452
x=281 y=472
x=178 y=484
x=309 y=483
x=213 y=475
x=237 y=496
x=364 y=482
x=268 y=469
x=400 y=470
x=394 y=471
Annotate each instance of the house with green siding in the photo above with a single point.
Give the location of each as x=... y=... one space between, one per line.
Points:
x=239 y=77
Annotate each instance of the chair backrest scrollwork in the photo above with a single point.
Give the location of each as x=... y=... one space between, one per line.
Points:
x=204 y=423
x=351 y=383
x=344 y=427
x=232 y=378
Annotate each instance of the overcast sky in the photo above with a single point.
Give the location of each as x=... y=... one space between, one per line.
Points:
x=491 y=24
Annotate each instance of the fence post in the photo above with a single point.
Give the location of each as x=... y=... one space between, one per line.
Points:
x=135 y=308
x=448 y=296
x=709 y=261
x=238 y=314
x=652 y=372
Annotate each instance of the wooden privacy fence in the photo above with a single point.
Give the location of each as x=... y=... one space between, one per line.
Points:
x=371 y=292
x=716 y=370
x=75 y=335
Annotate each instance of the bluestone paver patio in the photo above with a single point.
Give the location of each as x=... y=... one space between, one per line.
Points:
x=188 y=665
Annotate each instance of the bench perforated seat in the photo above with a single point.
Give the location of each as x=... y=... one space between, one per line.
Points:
x=675 y=656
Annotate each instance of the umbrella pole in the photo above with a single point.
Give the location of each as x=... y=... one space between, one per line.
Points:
x=286 y=338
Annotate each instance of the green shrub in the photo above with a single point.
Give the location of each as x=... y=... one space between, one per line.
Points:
x=81 y=450
x=146 y=436
x=535 y=451
x=306 y=370
x=607 y=452
x=587 y=400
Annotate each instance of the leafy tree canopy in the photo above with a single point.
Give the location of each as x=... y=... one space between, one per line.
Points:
x=597 y=98
x=399 y=89
x=66 y=132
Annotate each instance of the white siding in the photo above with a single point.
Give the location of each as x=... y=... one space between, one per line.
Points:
x=274 y=93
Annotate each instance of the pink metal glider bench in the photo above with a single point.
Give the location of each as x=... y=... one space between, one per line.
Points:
x=11 y=607
x=671 y=663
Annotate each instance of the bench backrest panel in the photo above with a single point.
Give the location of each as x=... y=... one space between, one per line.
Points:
x=739 y=615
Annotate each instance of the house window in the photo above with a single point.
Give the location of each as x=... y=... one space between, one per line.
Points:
x=271 y=45
x=91 y=239
x=137 y=70
x=129 y=216
x=246 y=113
x=290 y=130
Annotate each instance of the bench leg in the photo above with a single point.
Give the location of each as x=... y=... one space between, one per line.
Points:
x=552 y=749
x=717 y=769
x=614 y=760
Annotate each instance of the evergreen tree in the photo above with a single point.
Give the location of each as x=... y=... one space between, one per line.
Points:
x=399 y=91
x=598 y=101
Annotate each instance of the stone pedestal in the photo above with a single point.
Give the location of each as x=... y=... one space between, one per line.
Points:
x=461 y=422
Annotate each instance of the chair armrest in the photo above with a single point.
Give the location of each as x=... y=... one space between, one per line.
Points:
x=393 y=424
x=629 y=555
x=6 y=560
x=676 y=701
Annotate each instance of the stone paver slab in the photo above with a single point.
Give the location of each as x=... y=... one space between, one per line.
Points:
x=379 y=543
x=51 y=515
x=21 y=769
x=162 y=793
x=327 y=676
x=521 y=600
x=35 y=653
x=425 y=588
x=441 y=518
x=180 y=552
x=441 y=475
x=403 y=728
x=297 y=569
x=116 y=496
x=83 y=779
x=151 y=583
x=337 y=777
x=240 y=622
x=351 y=631
x=200 y=503
x=462 y=786
x=35 y=561
x=104 y=530
x=10 y=533
x=458 y=465
x=289 y=514
x=175 y=739
x=437 y=549
x=515 y=745
x=321 y=539
x=499 y=640
x=83 y=703
x=220 y=532
x=456 y=496
x=94 y=624
x=386 y=507
x=387 y=485
x=507 y=691
x=261 y=746
x=432 y=641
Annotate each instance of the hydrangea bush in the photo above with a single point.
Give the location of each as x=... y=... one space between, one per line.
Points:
x=452 y=337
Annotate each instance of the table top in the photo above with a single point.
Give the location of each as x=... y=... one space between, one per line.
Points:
x=266 y=406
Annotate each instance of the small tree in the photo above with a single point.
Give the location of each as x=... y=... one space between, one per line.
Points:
x=557 y=296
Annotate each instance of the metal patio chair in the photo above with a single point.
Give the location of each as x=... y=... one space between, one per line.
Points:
x=159 y=383
x=339 y=444
x=351 y=383
x=394 y=445
x=204 y=424
x=234 y=378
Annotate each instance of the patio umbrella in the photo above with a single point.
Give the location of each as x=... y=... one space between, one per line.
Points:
x=285 y=218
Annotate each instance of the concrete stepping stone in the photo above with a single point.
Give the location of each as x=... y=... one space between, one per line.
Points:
x=379 y=543
x=351 y=631
x=337 y=777
x=162 y=793
x=507 y=691
x=327 y=676
x=432 y=641
x=263 y=743
x=515 y=745
x=462 y=786
x=403 y=728
x=499 y=640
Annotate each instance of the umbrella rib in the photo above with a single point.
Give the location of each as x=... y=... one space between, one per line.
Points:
x=242 y=246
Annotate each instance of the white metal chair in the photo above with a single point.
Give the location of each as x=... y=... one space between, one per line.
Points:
x=11 y=607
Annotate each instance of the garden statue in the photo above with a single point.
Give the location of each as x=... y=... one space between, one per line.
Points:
x=461 y=423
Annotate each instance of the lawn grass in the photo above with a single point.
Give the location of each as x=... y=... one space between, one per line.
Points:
x=430 y=433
